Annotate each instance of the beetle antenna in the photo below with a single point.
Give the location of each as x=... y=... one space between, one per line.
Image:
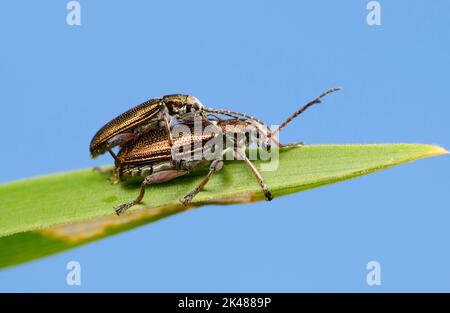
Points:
x=303 y=109
x=235 y=114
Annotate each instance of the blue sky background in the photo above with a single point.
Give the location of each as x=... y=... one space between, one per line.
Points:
x=60 y=83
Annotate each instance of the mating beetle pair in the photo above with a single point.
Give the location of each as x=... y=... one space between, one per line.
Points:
x=149 y=150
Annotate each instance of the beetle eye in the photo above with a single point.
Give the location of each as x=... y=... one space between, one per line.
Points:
x=197 y=106
x=194 y=104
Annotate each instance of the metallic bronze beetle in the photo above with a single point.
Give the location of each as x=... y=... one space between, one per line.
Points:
x=151 y=114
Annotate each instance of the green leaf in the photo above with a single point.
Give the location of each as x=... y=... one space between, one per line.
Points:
x=44 y=215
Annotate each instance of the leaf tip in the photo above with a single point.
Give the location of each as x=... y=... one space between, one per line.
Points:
x=438 y=150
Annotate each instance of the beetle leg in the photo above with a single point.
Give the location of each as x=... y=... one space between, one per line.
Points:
x=114 y=156
x=215 y=166
x=255 y=172
x=167 y=127
x=114 y=172
x=120 y=140
x=154 y=178
x=118 y=175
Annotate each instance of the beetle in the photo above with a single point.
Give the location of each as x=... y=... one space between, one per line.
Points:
x=143 y=117
x=152 y=155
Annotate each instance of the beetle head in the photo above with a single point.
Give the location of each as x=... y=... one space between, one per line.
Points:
x=193 y=104
x=181 y=104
